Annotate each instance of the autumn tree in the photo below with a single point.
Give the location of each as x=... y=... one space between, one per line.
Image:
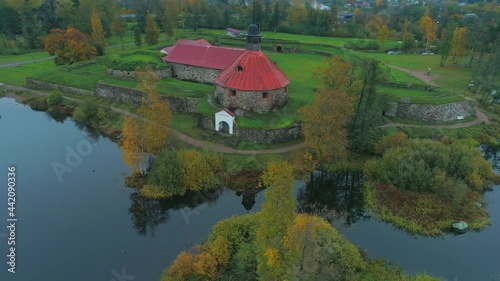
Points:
x=428 y=30
x=169 y=18
x=408 y=37
x=156 y=112
x=383 y=34
x=277 y=214
x=119 y=28
x=137 y=36
x=152 y=31
x=69 y=46
x=458 y=47
x=147 y=135
x=98 y=32
x=196 y=172
x=326 y=120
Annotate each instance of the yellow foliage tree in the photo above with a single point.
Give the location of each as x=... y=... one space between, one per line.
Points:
x=130 y=146
x=183 y=266
x=156 y=112
x=278 y=212
x=97 y=31
x=152 y=31
x=148 y=134
x=428 y=30
x=196 y=173
x=383 y=34
x=458 y=44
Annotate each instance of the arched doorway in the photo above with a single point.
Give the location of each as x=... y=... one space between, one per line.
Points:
x=279 y=49
x=223 y=127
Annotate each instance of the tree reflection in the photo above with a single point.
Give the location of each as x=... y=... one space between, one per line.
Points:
x=248 y=198
x=93 y=135
x=147 y=214
x=332 y=195
x=491 y=153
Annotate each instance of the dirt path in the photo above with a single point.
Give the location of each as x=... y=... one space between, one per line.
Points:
x=183 y=137
x=422 y=75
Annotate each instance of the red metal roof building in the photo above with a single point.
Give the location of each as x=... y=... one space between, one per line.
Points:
x=252 y=71
x=199 y=42
x=244 y=79
x=203 y=56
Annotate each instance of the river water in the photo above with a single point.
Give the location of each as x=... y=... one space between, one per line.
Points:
x=78 y=221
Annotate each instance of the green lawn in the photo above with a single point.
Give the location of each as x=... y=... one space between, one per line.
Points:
x=86 y=77
x=451 y=78
x=17 y=75
x=24 y=57
x=419 y=96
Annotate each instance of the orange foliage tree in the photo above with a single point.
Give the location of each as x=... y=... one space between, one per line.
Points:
x=428 y=30
x=69 y=46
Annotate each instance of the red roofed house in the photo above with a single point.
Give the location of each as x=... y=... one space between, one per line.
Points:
x=199 y=42
x=252 y=82
x=244 y=79
x=200 y=63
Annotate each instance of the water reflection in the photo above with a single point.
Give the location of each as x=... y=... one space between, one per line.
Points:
x=92 y=134
x=491 y=154
x=147 y=214
x=248 y=198
x=333 y=195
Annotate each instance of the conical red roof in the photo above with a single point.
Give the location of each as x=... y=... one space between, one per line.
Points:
x=252 y=71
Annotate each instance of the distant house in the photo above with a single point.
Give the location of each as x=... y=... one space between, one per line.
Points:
x=232 y=32
x=199 y=42
x=345 y=16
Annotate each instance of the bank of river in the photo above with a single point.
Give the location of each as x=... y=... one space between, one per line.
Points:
x=78 y=221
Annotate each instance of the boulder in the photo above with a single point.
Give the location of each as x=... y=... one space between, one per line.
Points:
x=460 y=227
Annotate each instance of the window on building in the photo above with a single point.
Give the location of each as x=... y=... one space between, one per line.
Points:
x=265 y=95
x=240 y=68
x=232 y=93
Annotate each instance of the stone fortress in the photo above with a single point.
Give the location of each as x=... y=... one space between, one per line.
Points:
x=244 y=79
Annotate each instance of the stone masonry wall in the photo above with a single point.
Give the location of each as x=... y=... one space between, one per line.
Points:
x=119 y=94
x=432 y=113
x=263 y=136
x=131 y=74
x=250 y=100
x=36 y=84
x=132 y=96
x=194 y=73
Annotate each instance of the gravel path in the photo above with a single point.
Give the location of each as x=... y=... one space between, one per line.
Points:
x=422 y=75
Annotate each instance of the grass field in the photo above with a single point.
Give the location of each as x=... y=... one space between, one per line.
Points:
x=24 y=57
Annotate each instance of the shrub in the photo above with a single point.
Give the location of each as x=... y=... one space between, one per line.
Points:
x=196 y=173
x=362 y=45
x=54 y=98
x=90 y=113
x=425 y=165
x=397 y=139
x=166 y=174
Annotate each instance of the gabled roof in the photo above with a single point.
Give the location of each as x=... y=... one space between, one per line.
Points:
x=225 y=110
x=199 y=42
x=203 y=56
x=252 y=71
x=233 y=30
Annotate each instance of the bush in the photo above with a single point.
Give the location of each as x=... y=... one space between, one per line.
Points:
x=196 y=172
x=90 y=113
x=165 y=174
x=431 y=166
x=54 y=98
x=362 y=45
